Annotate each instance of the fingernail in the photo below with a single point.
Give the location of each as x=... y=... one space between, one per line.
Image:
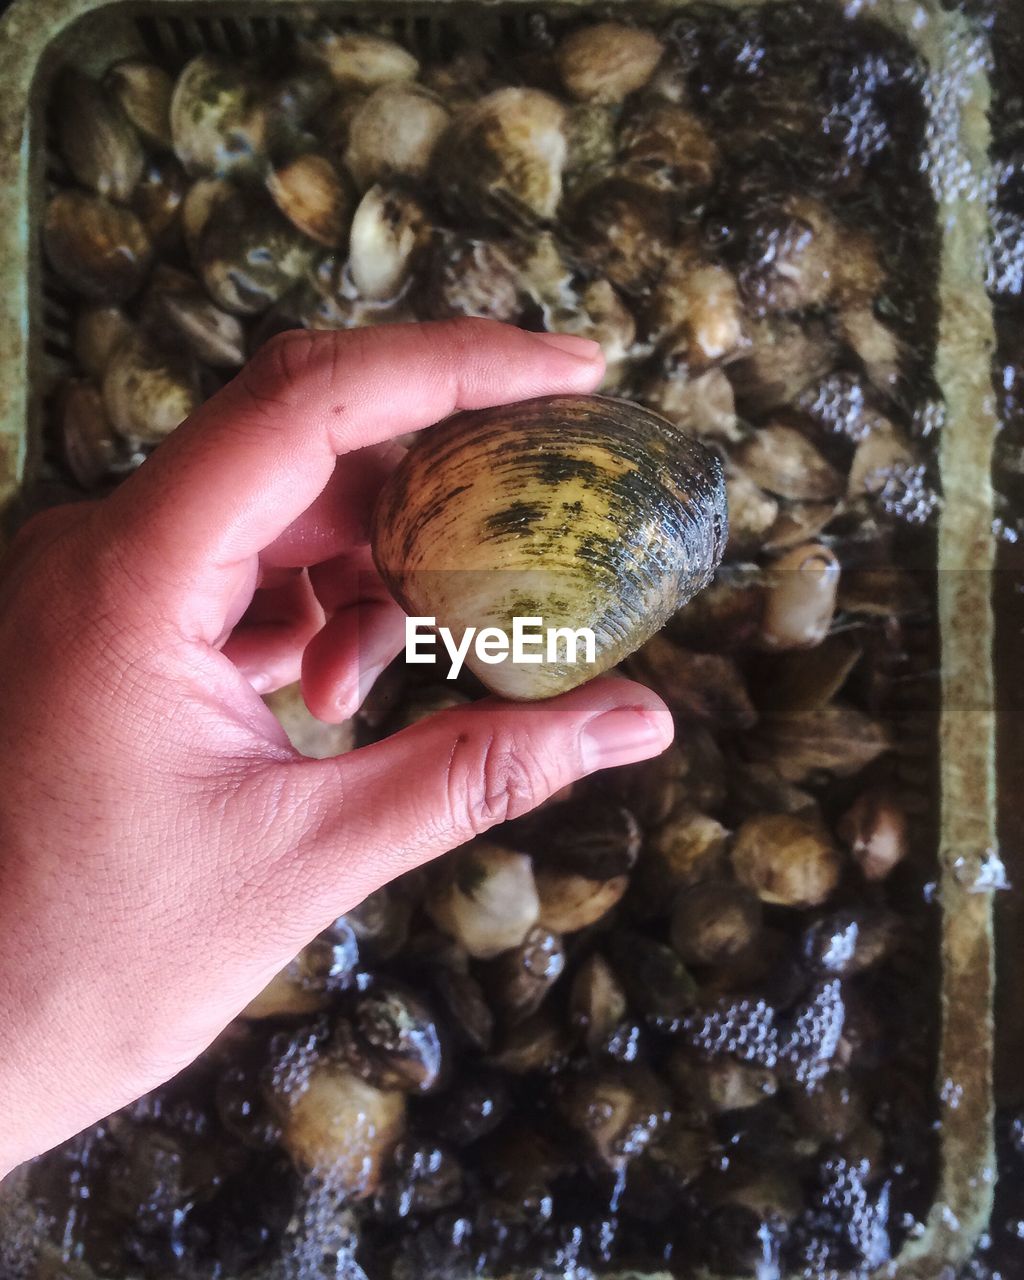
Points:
x=622 y=736
x=367 y=679
x=349 y=700
x=582 y=348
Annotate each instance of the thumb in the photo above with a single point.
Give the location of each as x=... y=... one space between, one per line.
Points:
x=366 y=817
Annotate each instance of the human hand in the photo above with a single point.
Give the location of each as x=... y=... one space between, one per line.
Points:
x=163 y=849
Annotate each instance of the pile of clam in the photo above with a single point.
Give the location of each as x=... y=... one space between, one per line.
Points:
x=682 y=1016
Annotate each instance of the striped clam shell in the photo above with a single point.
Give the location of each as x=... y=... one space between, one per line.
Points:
x=582 y=511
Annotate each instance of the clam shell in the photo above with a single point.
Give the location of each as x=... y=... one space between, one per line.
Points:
x=358 y=59
x=92 y=450
x=580 y=510
x=389 y=228
x=176 y=304
x=144 y=91
x=249 y=255
x=157 y=200
x=395 y=131
x=505 y=155
x=312 y=195
x=148 y=390
x=607 y=62
x=216 y=124
x=97 y=139
x=98 y=331
x=101 y=250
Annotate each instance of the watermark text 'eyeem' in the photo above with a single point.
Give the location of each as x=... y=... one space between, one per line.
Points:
x=530 y=642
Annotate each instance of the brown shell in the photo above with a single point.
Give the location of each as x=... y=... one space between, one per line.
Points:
x=101 y=250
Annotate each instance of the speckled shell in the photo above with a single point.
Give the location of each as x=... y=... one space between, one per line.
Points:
x=581 y=510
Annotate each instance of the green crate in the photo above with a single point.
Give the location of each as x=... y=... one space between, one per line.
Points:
x=37 y=37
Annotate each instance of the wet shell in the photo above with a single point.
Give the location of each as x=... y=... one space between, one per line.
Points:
x=283 y=996
x=249 y=256
x=506 y=153
x=100 y=250
x=313 y=196
x=98 y=331
x=216 y=124
x=583 y=511
x=144 y=92
x=607 y=62
x=97 y=139
x=147 y=390
x=394 y=132
x=177 y=303
x=343 y=1125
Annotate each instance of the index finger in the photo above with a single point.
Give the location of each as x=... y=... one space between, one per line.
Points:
x=252 y=459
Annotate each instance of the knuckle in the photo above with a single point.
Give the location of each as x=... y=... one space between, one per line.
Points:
x=493 y=776
x=471 y=330
x=44 y=530
x=269 y=377
x=466 y=336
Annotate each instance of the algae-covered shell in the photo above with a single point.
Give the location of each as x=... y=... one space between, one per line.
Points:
x=216 y=123
x=578 y=510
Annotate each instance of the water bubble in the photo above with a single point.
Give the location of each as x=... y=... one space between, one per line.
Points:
x=908 y=495
x=743 y=1028
x=322 y=1237
x=1004 y=274
x=947 y=94
x=22 y=1227
x=841 y=405
x=928 y=419
x=814 y=1036
x=980 y=871
x=292 y=1058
